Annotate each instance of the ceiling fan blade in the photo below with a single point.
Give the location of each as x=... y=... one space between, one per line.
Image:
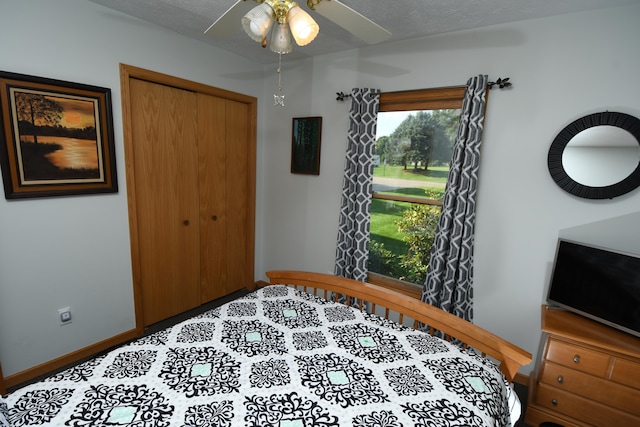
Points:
x=352 y=21
x=229 y=22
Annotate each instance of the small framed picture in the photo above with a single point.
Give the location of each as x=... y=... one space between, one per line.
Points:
x=305 y=146
x=56 y=138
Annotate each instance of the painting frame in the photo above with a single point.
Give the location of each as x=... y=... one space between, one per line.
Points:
x=306 y=138
x=56 y=138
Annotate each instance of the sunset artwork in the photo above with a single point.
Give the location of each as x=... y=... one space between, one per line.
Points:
x=58 y=138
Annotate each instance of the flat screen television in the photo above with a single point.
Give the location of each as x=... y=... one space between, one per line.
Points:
x=598 y=283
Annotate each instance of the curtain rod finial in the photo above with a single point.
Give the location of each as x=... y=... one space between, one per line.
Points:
x=341 y=96
x=502 y=83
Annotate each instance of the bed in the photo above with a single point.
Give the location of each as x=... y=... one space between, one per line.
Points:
x=290 y=354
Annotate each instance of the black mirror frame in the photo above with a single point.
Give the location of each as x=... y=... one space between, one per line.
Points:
x=624 y=121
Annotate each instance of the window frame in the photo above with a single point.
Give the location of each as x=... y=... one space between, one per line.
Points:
x=411 y=100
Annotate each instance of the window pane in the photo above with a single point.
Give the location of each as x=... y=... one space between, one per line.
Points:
x=401 y=238
x=413 y=151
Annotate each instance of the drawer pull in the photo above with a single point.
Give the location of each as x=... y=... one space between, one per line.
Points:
x=560 y=379
x=554 y=402
x=576 y=358
x=185 y=222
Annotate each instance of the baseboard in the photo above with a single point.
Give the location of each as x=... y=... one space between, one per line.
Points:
x=68 y=359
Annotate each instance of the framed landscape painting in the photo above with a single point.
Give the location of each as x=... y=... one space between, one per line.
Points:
x=305 y=145
x=56 y=138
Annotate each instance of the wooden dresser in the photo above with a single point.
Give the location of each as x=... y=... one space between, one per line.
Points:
x=587 y=374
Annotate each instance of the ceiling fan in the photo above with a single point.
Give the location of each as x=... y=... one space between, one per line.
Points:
x=285 y=18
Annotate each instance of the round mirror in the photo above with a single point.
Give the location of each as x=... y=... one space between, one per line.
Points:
x=597 y=156
x=601 y=156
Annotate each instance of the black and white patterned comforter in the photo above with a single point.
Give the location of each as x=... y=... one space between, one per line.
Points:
x=276 y=357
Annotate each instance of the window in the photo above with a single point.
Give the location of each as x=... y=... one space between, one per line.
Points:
x=414 y=142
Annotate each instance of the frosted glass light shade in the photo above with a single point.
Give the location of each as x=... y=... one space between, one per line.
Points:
x=258 y=21
x=303 y=27
x=281 y=39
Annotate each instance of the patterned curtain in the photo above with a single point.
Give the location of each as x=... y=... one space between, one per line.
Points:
x=450 y=277
x=352 y=251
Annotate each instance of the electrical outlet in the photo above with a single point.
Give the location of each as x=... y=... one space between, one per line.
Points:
x=64 y=315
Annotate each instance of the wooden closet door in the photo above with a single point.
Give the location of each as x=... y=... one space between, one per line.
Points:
x=239 y=182
x=213 y=210
x=164 y=132
x=3 y=389
x=226 y=239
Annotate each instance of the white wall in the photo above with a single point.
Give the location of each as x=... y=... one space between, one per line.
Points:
x=74 y=251
x=562 y=68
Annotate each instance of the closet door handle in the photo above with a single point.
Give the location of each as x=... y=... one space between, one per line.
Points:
x=185 y=222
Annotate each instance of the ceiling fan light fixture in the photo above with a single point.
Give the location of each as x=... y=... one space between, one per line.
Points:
x=302 y=25
x=258 y=21
x=281 y=39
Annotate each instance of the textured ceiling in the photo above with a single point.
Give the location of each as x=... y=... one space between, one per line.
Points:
x=405 y=19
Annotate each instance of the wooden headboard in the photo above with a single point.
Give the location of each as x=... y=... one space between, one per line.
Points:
x=509 y=356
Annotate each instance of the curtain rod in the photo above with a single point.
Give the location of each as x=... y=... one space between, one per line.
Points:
x=501 y=83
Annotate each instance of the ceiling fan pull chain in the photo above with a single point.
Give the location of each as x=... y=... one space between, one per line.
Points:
x=278 y=99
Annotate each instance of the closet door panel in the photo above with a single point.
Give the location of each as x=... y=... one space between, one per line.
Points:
x=239 y=270
x=213 y=210
x=164 y=132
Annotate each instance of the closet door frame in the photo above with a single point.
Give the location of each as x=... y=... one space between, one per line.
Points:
x=128 y=72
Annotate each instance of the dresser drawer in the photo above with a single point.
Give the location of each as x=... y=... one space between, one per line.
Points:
x=583 y=409
x=627 y=372
x=578 y=357
x=599 y=389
